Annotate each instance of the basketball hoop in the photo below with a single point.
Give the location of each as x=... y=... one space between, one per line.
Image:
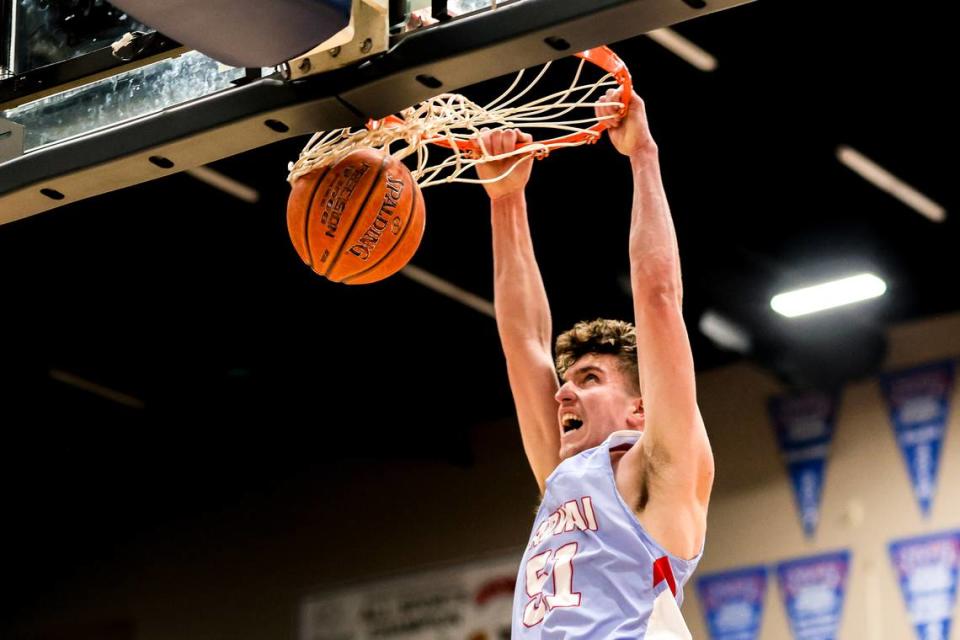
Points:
x=453 y=122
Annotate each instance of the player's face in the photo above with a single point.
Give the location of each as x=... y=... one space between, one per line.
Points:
x=595 y=399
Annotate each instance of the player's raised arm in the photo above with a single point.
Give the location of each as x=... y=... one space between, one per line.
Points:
x=522 y=310
x=676 y=453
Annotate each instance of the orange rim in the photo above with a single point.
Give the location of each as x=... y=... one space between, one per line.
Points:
x=603 y=57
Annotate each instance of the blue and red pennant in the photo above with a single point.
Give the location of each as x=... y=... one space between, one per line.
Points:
x=813 y=589
x=919 y=404
x=927 y=569
x=732 y=602
x=804 y=426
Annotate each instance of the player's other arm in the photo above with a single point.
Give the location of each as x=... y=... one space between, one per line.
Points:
x=675 y=438
x=674 y=457
x=522 y=310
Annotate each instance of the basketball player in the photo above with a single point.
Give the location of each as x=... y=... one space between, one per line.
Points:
x=617 y=446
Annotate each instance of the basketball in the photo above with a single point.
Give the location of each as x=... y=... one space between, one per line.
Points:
x=358 y=221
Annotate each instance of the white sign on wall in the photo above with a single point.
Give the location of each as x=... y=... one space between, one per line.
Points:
x=466 y=602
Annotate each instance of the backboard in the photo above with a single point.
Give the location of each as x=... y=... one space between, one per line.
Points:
x=100 y=113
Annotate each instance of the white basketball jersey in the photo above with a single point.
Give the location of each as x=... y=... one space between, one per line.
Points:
x=590 y=570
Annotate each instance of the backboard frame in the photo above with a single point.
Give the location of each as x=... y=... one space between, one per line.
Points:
x=454 y=54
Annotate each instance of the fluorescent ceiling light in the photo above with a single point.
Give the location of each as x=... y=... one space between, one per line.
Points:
x=724 y=333
x=883 y=179
x=96 y=389
x=680 y=46
x=449 y=289
x=226 y=184
x=828 y=295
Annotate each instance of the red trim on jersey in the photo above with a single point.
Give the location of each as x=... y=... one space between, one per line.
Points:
x=663 y=571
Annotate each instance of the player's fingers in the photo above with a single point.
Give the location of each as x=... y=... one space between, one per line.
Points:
x=616 y=95
x=484 y=139
x=509 y=140
x=494 y=147
x=605 y=110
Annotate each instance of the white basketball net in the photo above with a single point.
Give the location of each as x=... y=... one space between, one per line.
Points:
x=453 y=117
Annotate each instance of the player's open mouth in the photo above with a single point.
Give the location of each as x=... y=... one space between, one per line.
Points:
x=570 y=422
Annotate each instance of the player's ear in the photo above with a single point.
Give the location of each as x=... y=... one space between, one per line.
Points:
x=637 y=416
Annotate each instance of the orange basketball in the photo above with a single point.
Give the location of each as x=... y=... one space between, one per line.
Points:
x=359 y=220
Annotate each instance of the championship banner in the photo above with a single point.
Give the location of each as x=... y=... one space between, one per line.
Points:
x=927 y=569
x=466 y=602
x=732 y=602
x=813 y=590
x=804 y=426
x=919 y=403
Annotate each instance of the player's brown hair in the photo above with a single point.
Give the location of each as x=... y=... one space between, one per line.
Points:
x=614 y=337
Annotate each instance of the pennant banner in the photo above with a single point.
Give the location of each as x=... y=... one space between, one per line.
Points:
x=804 y=426
x=919 y=402
x=927 y=569
x=813 y=590
x=733 y=602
